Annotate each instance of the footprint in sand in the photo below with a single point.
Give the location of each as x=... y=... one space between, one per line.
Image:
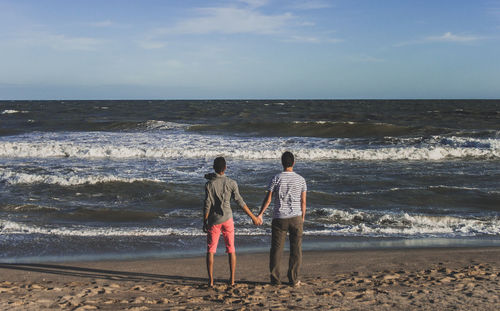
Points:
x=138 y=288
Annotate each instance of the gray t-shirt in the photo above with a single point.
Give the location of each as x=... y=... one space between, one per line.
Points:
x=218 y=193
x=287 y=188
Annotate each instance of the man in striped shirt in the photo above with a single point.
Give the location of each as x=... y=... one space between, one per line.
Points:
x=289 y=191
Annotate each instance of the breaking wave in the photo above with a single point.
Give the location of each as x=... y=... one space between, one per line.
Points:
x=11 y=111
x=323 y=222
x=15 y=178
x=11 y=227
x=361 y=223
x=150 y=125
x=158 y=145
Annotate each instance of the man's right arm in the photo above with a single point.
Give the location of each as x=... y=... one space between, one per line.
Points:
x=268 y=197
x=265 y=204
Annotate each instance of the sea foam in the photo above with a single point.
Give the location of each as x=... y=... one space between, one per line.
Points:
x=336 y=223
x=386 y=224
x=12 y=227
x=11 y=111
x=15 y=178
x=164 y=145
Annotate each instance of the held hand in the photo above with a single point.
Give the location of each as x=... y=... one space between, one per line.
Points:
x=261 y=220
x=205 y=226
x=256 y=221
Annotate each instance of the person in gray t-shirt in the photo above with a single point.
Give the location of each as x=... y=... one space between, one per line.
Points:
x=289 y=191
x=218 y=216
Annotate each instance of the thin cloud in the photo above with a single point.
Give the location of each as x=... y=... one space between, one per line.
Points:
x=152 y=44
x=312 y=5
x=446 y=37
x=494 y=8
x=495 y=11
x=59 y=41
x=62 y=42
x=108 y=24
x=170 y=64
x=229 y=21
x=255 y=3
x=102 y=24
x=312 y=39
x=366 y=59
x=449 y=37
x=242 y=20
x=307 y=24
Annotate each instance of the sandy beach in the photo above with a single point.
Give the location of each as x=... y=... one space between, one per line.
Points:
x=402 y=279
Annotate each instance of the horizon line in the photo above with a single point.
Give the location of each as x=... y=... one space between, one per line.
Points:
x=245 y=99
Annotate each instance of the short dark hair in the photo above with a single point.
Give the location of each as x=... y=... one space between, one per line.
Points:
x=219 y=164
x=287 y=159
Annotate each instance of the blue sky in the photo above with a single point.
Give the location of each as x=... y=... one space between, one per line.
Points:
x=249 y=49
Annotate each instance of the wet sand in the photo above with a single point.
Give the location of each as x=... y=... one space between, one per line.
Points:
x=404 y=279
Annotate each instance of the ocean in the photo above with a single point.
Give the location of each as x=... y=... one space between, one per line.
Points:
x=125 y=179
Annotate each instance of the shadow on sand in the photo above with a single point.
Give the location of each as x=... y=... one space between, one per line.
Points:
x=124 y=276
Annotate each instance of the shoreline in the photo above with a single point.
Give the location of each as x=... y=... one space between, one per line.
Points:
x=419 y=278
x=318 y=244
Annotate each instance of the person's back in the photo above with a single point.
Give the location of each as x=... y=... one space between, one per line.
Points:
x=287 y=188
x=289 y=191
x=221 y=189
x=218 y=216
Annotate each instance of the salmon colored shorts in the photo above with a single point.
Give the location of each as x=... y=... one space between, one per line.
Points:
x=213 y=235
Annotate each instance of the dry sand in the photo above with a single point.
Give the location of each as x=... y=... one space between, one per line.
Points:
x=407 y=279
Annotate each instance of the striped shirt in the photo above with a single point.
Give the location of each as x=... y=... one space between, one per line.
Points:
x=287 y=188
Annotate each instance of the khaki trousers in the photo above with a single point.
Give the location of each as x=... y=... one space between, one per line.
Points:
x=280 y=227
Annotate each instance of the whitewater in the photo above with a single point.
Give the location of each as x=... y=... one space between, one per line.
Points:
x=178 y=144
x=125 y=178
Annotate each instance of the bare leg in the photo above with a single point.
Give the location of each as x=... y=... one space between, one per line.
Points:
x=232 y=267
x=210 y=269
